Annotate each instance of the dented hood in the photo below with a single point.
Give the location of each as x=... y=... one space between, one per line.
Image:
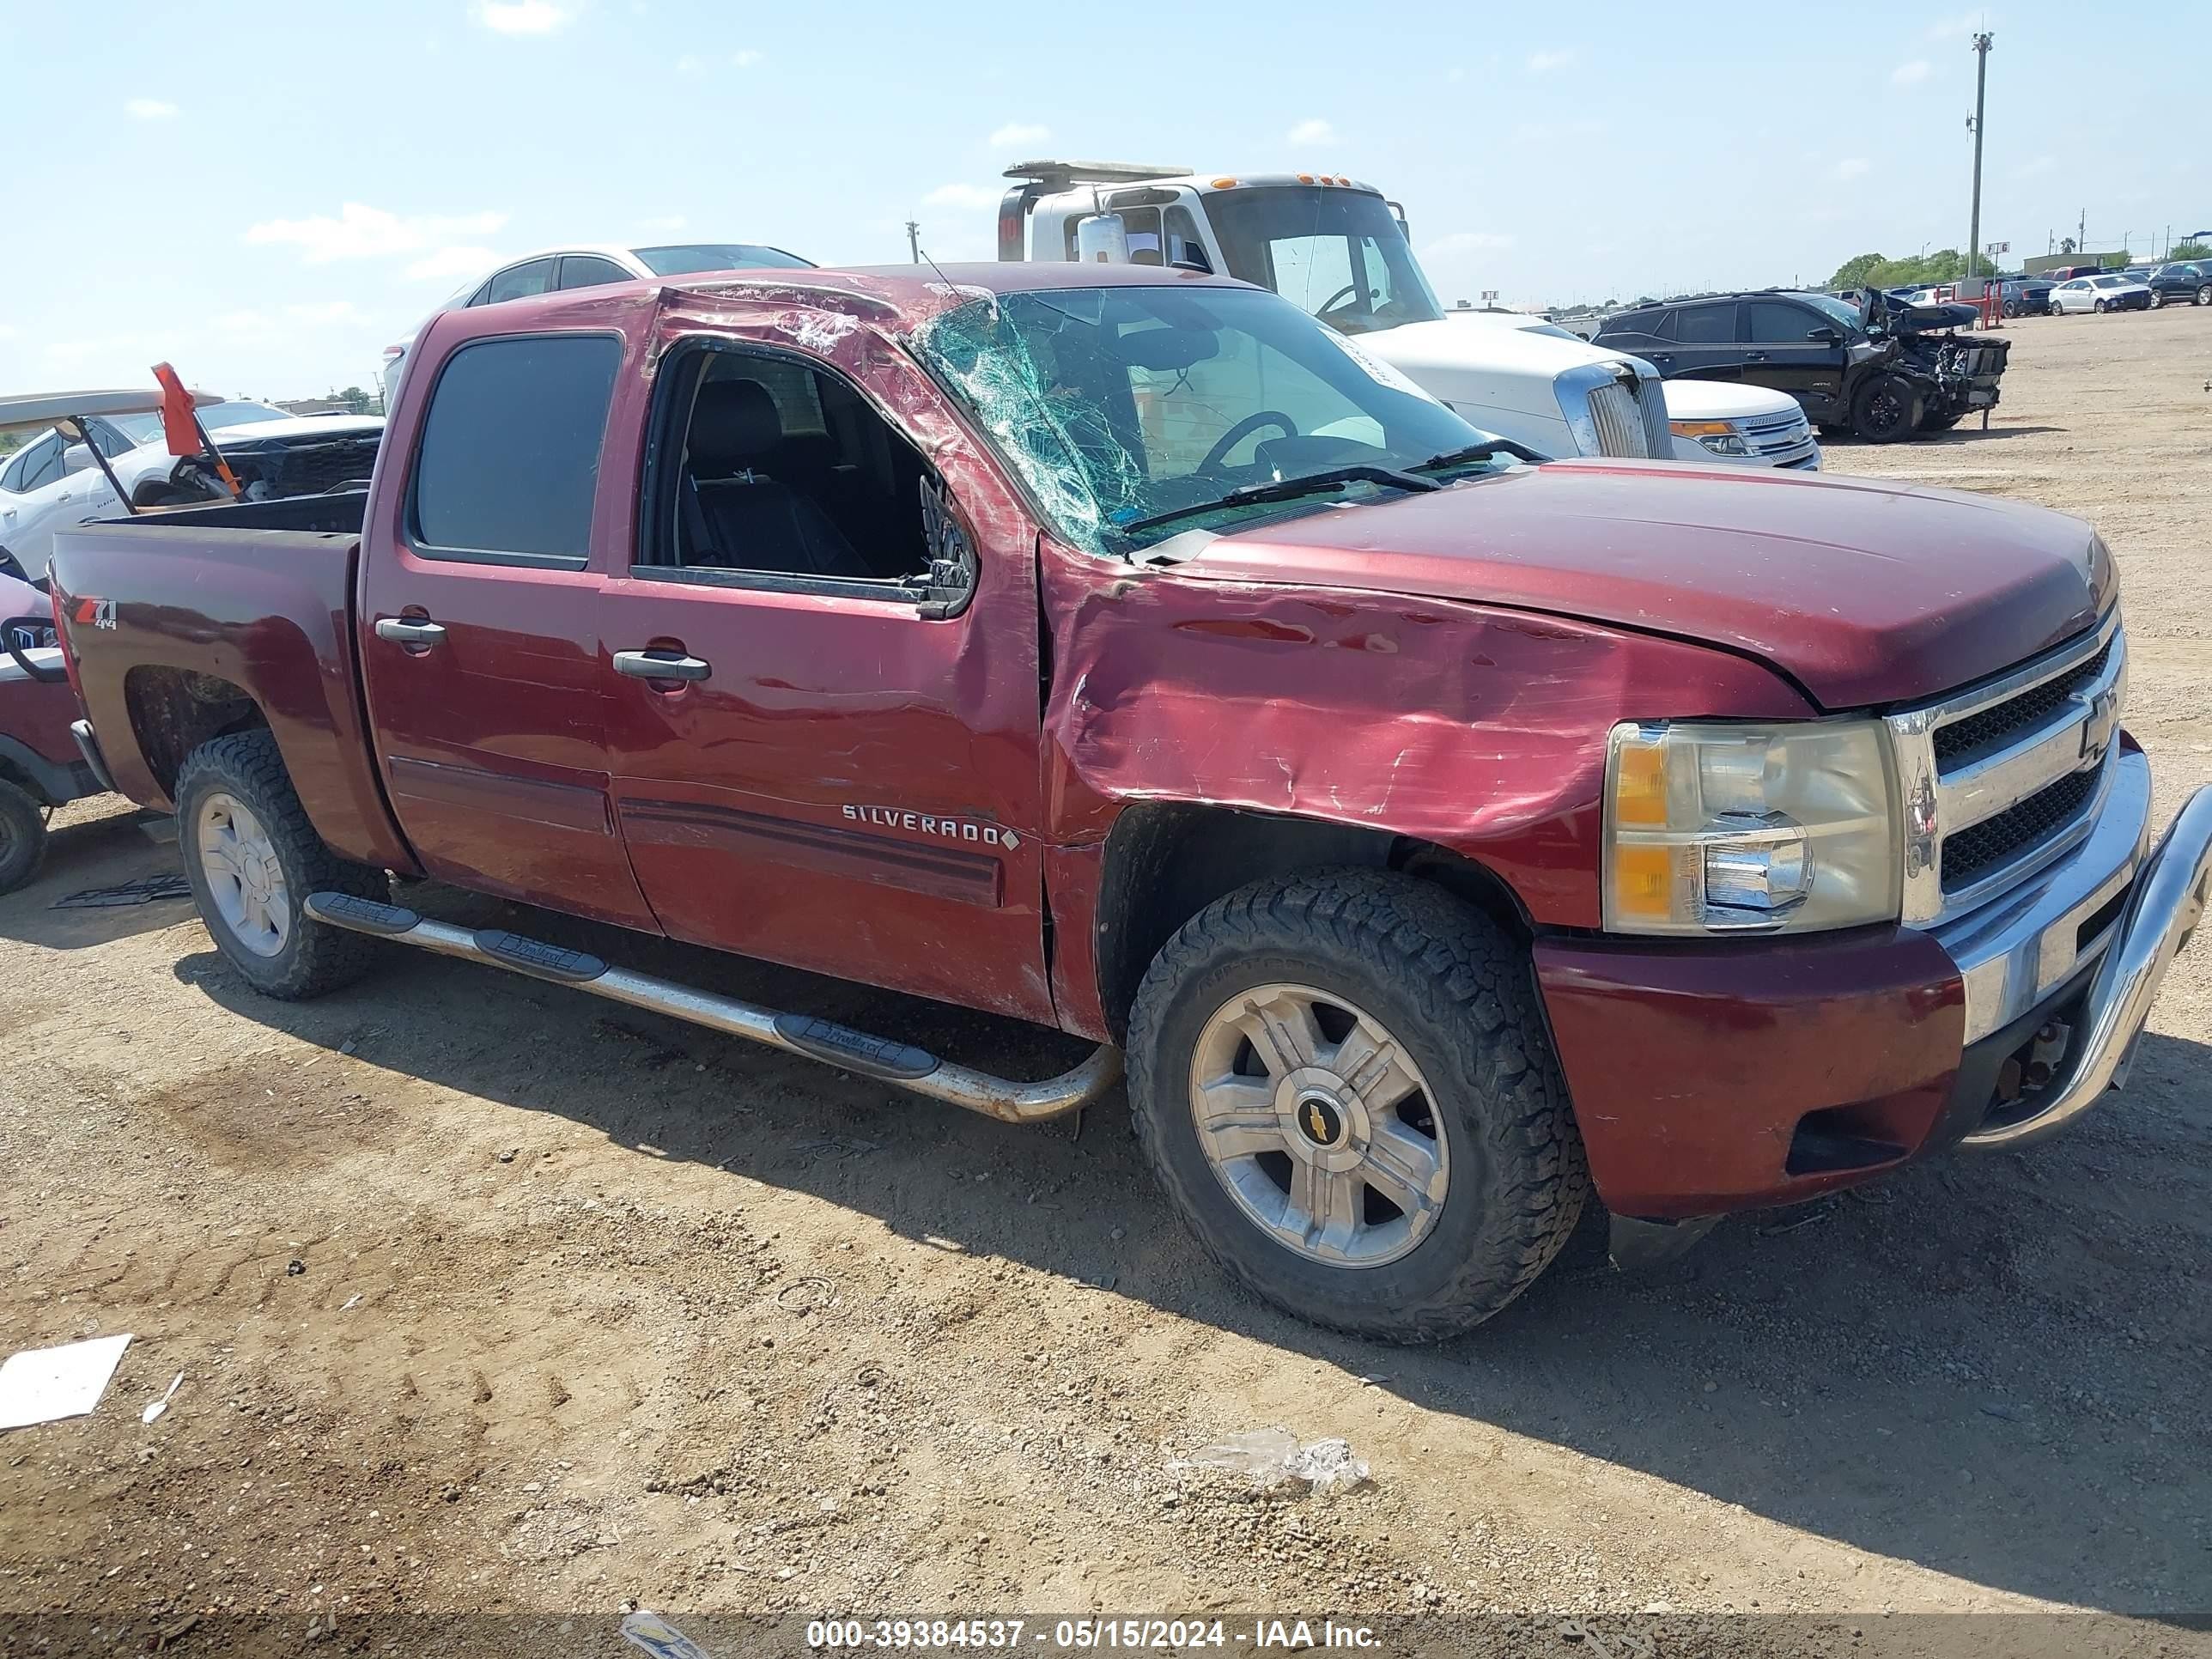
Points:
x=1864 y=592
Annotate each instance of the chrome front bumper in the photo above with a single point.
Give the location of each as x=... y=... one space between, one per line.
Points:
x=2016 y=954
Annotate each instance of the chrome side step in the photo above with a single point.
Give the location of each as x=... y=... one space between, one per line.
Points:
x=841 y=1046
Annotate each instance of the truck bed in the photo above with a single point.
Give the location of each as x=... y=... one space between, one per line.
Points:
x=248 y=610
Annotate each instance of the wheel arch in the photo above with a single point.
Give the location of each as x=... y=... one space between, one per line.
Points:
x=172 y=711
x=1165 y=861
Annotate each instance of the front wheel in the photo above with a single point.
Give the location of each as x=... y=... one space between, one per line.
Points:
x=2102 y=307
x=251 y=858
x=2157 y=300
x=1346 y=1088
x=1886 y=409
x=23 y=836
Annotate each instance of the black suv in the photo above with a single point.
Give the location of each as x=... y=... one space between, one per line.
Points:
x=1871 y=366
x=2187 y=284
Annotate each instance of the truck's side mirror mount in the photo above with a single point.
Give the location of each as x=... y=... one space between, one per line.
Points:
x=1102 y=239
x=949 y=582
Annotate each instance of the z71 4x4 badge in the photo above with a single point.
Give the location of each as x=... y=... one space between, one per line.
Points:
x=927 y=824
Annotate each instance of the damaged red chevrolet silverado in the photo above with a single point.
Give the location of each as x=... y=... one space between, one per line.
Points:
x=1439 y=836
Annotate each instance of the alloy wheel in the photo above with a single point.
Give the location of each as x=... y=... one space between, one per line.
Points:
x=245 y=878
x=1319 y=1125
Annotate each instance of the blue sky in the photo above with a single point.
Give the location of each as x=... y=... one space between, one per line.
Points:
x=267 y=207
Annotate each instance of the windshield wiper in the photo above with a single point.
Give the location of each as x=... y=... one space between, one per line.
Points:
x=1289 y=490
x=1481 y=452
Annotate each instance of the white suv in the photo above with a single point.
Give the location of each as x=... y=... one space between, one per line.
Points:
x=588 y=266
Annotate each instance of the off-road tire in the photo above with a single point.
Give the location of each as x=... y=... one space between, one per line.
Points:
x=1941 y=422
x=1886 y=408
x=23 y=836
x=1459 y=995
x=316 y=958
x=1830 y=431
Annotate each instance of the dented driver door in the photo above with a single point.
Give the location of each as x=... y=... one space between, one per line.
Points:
x=812 y=763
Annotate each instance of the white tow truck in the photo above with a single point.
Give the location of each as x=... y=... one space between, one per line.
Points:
x=1341 y=251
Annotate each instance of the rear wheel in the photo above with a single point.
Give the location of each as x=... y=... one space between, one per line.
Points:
x=23 y=836
x=1886 y=409
x=1346 y=1088
x=253 y=858
x=2204 y=294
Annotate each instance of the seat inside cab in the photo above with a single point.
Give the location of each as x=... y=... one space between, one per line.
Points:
x=787 y=469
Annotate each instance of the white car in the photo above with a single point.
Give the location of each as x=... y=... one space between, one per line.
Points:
x=1707 y=420
x=51 y=483
x=588 y=266
x=2101 y=294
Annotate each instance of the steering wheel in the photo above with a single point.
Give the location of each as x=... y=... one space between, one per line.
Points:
x=1236 y=434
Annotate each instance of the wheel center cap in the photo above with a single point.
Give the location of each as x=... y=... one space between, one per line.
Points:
x=1320 y=1121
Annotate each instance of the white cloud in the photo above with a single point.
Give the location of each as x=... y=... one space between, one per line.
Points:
x=1313 y=130
x=1468 y=241
x=367 y=232
x=1543 y=62
x=451 y=262
x=522 y=16
x=961 y=195
x=690 y=63
x=9 y=331
x=665 y=221
x=1911 y=73
x=749 y=58
x=1851 y=166
x=149 y=109
x=1456 y=74
x=1015 y=133
x=72 y=351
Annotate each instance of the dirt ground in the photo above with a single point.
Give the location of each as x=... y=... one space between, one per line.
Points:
x=488 y=1297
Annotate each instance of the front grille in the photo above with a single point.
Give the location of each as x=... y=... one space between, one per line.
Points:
x=2017 y=830
x=1620 y=423
x=1992 y=728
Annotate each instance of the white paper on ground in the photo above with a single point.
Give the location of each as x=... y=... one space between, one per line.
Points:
x=39 y=1385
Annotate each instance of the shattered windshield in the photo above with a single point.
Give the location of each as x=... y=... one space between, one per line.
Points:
x=1119 y=404
x=1845 y=313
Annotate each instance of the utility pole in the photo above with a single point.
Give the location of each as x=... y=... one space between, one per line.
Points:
x=2081 y=234
x=913 y=242
x=1981 y=86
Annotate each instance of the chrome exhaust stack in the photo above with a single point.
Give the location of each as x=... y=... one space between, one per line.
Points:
x=877 y=1057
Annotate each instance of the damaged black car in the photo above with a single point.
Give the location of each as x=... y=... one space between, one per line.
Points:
x=1861 y=363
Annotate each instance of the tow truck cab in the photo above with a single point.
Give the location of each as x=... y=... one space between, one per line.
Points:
x=1342 y=251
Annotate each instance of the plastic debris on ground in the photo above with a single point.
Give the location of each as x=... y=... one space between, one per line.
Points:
x=156 y=1407
x=43 y=1385
x=649 y=1631
x=1275 y=1462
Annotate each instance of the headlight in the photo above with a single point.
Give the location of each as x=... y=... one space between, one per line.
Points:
x=1718 y=436
x=1713 y=828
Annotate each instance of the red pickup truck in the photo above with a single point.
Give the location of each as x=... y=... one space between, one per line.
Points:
x=1438 y=835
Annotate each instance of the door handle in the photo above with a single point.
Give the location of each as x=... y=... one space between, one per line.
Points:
x=1663 y=357
x=661 y=665
x=1754 y=356
x=400 y=631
